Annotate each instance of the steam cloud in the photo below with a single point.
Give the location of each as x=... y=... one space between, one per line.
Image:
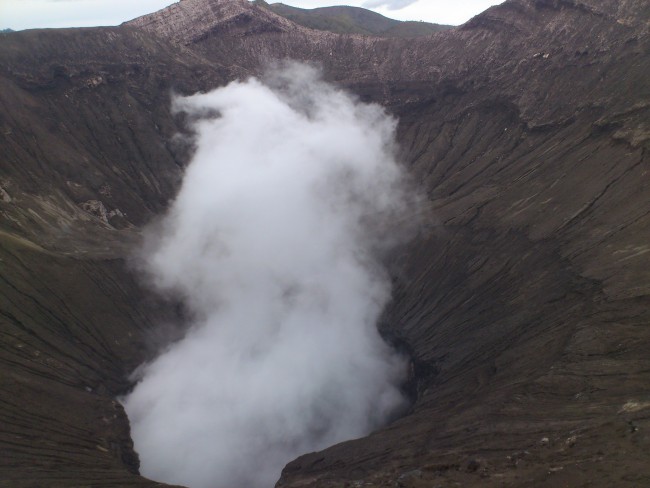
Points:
x=273 y=243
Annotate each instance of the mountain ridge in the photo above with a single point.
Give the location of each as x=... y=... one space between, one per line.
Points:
x=353 y=20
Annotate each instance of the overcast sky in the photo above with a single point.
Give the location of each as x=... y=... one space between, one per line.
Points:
x=25 y=14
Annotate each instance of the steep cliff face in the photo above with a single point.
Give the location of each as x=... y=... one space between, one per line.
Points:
x=191 y=21
x=87 y=158
x=524 y=305
x=523 y=302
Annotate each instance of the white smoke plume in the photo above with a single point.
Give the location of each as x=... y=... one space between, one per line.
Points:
x=273 y=244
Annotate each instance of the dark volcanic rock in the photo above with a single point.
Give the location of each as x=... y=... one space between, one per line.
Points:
x=87 y=157
x=523 y=302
